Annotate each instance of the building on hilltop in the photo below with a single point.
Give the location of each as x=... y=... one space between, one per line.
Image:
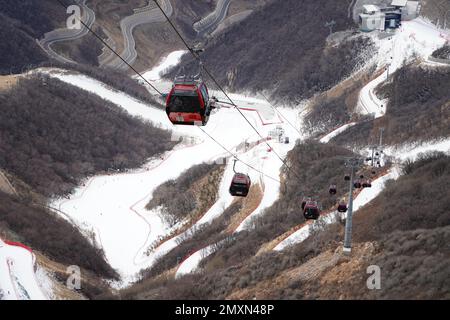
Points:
x=374 y=17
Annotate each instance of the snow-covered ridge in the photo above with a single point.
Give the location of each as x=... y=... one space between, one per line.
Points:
x=18 y=280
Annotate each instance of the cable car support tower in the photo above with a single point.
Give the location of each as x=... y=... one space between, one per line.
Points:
x=354 y=164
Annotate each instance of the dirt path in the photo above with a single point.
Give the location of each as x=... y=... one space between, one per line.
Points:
x=5 y=185
x=7 y=82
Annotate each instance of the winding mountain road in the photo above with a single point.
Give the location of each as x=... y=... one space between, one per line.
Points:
x=149 y=14
x=59 y=35
x=209 y=23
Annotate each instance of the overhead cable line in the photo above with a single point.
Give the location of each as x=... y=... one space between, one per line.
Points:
x=220 y=87
x=276 y=109
x=159 y=92
x=117 y=54
x=235 y=156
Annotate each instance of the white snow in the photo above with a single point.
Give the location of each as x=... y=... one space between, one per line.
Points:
x=168 y=62
x=18 y=280
x=45 y=281
x=112 y=207
x=368 y=194
x=414 y=39
x=336 y=132
x=297 y=237
x=271 y=166
x=193 y=261
x=413 y=151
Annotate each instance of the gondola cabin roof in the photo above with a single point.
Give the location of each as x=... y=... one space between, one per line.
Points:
x=399 y=3
x=311 y=204
x=187 y=81
x=240 y=178
x=185 y=87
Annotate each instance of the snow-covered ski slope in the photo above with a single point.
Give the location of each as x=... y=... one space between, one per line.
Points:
x=112 y=207
x=414 y=39
x=336 y=132
x=18 y=280
x=411 y=152
x=426 y=38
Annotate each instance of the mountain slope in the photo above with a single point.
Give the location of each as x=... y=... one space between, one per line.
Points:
x=22 y=22
x=418 y=109
x=66 y=135
x=282 y=32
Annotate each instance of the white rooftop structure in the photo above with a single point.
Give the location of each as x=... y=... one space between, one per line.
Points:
x=371 y=22
x=399 y=3
x=370 y=9
x=411 y=10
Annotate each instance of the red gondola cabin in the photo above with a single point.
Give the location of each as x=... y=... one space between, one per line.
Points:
x=311 y=210
x=333 y=189
x=240 y=185
x=304 y=201
x=367 y=184
x=188 y=102
x=342 y=207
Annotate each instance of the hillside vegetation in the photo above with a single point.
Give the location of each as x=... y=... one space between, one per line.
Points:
x=336 y=106
x=442 y=53
x=189 y=195
x=21 y=23
x=53 y=135
x=318 y=165
x=418 y=109
x=292 y=36
x=34 y=17
x=404 y=232
x=17 y=48
x=47 y=233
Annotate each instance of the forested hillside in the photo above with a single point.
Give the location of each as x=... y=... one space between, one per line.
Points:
x=418 y=109
x=21 y=23
x=239 y=58
x=392 y=233
x=52 y=235
x=53 y=135
x=18 y=48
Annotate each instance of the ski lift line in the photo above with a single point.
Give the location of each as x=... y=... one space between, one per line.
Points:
x=220 y=87
x=115 y=52
x=248 y=121
x=207 y=71
x=276 y=109
x=237 y=158
x=161 y=94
